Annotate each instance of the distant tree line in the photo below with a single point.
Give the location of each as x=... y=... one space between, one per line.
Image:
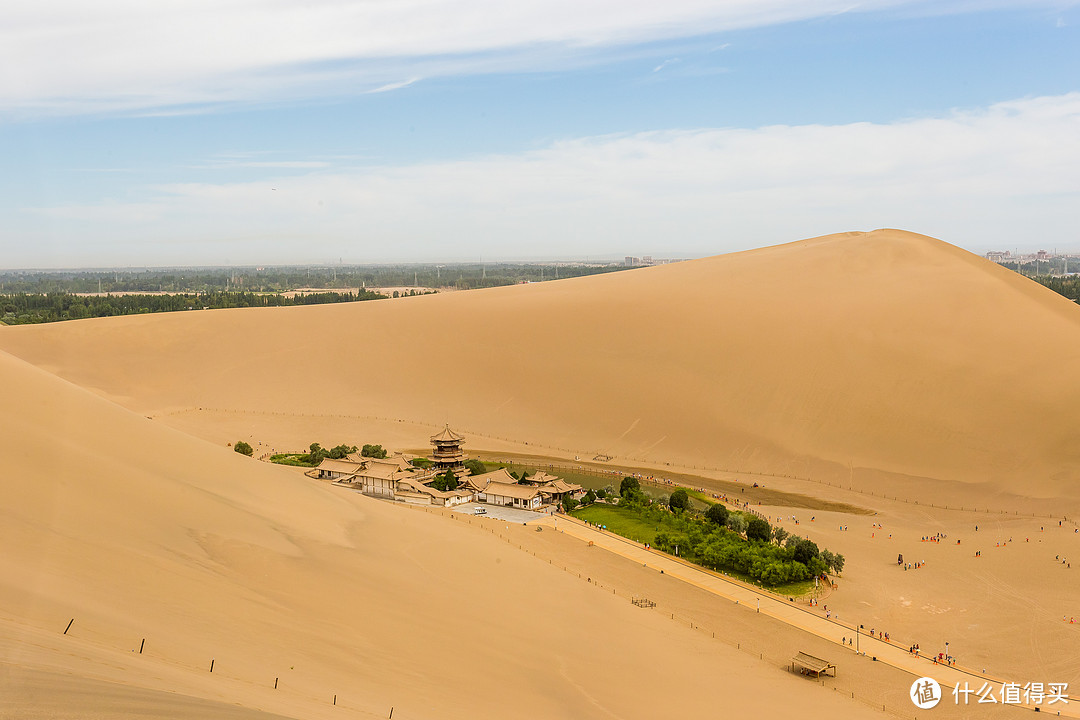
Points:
x=29 y=308
x=1068 y=285
x=282 y=279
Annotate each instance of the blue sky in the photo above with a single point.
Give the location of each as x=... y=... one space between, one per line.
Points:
x=294 y=132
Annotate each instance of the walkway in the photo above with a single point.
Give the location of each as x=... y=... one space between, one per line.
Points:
x=788 y=612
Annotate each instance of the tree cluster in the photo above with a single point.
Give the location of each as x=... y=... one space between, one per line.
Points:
x=1069 y=285
x=728 y=540
x=446 y=481
x=373 y=451
x=630 y=492
x=475 y=467
x=25 y=309
x=279 y=279
x=317 y=453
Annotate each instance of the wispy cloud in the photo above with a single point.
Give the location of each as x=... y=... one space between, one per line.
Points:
x=669 y=61
x=264 y=164
x=978 y=178
x=167 y=58
x=394 y=85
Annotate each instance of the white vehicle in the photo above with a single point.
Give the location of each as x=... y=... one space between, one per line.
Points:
x=479 y=511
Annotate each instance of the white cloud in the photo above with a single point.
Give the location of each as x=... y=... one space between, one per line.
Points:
x=1005 y=176
x=395 y=85
x=265 y=164
x=168 y=56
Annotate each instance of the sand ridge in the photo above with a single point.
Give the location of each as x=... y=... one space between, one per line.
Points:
x=873 y=356
x=887 y=364
x=137 y=531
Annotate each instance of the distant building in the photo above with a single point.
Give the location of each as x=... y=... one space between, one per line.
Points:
x=392 y=478
x=499 y=487
x=373 y=476
x=396 y=478
x=448 y=453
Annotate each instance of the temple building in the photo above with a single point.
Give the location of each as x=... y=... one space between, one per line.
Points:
x=398 y=478
x=499 y=487
x=448 y=453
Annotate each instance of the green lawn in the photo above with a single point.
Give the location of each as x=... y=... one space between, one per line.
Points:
x=293 y=459
x=620 y=521
x=699 y=500
x=629 y=524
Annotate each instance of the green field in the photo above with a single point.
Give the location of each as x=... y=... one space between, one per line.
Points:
x=699 y=500
x=629 y=524
x=621 y=521
x=293 y=459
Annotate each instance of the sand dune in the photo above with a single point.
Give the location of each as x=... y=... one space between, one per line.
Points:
x=889 y=361
x=141 y=532
x=882 y=358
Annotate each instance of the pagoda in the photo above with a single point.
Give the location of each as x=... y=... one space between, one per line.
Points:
x=448 y=454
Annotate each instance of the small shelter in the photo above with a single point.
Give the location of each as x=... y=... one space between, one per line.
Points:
x=812 y=665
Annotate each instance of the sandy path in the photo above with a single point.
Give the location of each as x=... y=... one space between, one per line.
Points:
x=789 y=613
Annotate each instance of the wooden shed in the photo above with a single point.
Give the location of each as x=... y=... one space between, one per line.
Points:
x=811 y=665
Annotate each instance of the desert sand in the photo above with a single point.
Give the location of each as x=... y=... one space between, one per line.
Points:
x=139 y=532
x=886 y=369
x=872 y=356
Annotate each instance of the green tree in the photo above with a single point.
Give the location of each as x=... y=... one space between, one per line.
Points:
x=421 y=463
x=758 y=529
x=679 y=500
x=663 y=541
x=629 y=484
x=446 y=481
x=589 y=499
x=601 y=493
x=243 y=448
x=804 y=550
x=316 y=454
x=736 y=523
x=340 y=451
x=475 y=467
x=569 y=503
x=718 y=514
x=373 y=451
x=779 y=534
